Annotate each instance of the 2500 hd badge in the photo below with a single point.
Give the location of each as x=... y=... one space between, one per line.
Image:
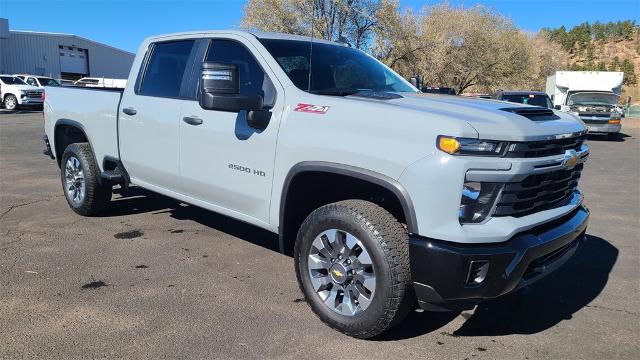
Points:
x=247 y=170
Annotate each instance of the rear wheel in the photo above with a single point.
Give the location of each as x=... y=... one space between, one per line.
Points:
x=79 y=173
x=10 y=102
x=352 y=263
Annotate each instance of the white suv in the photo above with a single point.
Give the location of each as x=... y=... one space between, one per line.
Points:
x=16 y=93
x=38 y=81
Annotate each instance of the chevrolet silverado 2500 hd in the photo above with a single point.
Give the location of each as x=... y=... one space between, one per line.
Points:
x=384 y=195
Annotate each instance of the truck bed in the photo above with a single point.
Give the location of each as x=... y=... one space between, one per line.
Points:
x=94 y=109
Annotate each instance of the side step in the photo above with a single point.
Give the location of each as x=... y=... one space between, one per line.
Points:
x=114 y=176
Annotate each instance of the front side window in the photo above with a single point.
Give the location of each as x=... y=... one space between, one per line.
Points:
x=165 y=68
x=335 y=70
x=48 y=82
x=253 y=80
x=32 y=81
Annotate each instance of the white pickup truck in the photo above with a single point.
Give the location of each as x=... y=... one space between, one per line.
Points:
x=383 y=194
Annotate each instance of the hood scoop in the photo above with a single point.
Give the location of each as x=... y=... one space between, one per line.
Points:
x=533 y=113
x=378 y=95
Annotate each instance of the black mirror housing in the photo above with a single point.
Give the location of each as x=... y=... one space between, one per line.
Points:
x=258 y=120
x=220 y=89
x=557 y=107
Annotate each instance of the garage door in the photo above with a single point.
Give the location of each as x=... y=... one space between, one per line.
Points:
x=73 y=60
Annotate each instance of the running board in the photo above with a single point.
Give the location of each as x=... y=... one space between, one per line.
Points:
x=114 y=176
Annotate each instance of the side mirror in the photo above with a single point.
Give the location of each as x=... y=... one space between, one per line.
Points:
x=220 y=89
x=558 y=107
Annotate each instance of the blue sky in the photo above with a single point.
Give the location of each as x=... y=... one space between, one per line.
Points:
x=124 y=24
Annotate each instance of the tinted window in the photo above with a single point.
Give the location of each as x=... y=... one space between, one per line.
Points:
x=253 y=80
x=165 y=68
x=335 y=70
x=529 y=99
x=12 y=80
x=48 y=82
x=32 y=81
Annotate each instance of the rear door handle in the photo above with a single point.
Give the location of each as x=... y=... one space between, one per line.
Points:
x=192 y=120
x=129 y=111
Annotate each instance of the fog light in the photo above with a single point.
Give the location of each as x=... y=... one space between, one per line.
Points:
x=478 y=270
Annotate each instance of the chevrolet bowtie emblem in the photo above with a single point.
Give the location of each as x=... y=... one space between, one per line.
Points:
x=570 y=159
x=337 y=273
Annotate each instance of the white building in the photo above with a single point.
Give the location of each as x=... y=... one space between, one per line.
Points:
x=59 y=55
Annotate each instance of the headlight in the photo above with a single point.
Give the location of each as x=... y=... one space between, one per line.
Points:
x=467 y=146
x=477 y=201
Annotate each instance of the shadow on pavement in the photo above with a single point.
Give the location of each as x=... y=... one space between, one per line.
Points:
x=533 y=309
x=619 y=137
x=528 y=311
x=136 y=200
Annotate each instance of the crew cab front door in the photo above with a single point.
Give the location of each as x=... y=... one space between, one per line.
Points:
x=223 y=161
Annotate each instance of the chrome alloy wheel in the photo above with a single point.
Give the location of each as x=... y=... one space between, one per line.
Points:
x=74 y=180
x=341 y=272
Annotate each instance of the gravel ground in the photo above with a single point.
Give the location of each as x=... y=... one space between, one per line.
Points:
x=155 y=278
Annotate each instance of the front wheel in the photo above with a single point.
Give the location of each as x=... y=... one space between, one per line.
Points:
x=10 y=102
x=352 y=263
x=79 y=173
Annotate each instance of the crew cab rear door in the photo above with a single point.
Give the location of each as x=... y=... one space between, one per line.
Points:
x=223 y=161
x=149 y=119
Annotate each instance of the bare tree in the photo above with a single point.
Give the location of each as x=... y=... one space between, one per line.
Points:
x=351 y=20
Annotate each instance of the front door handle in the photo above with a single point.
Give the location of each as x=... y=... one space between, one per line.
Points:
x=129 y=111
x=192 y=120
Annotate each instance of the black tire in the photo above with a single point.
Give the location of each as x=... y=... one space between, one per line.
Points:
x=10 y=102
x=97 y=196
x=387 y=243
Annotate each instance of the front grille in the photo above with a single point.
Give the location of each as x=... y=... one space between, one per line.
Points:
x=532 y=149
x=34 y=94
x=538 y=192
x=595 y=118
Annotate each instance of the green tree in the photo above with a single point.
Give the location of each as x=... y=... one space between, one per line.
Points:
x=629 y=72
x=615 y=64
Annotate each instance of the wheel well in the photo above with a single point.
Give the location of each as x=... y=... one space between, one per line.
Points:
x=66 y=134
x=310 y=190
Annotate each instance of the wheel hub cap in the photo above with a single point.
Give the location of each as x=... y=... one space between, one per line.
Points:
x=74 y=180
x=341 y=272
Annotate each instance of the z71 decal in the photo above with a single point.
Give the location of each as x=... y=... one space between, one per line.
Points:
x=310 y=108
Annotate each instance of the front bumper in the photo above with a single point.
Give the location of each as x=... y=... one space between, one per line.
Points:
x=30 y=101
x=604 y=128
x=440 y=269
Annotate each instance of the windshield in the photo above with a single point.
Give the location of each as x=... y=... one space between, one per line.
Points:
x=48 y=82
x=593 y=98
x=12 y=80
x=335 y=70
x=529 y=99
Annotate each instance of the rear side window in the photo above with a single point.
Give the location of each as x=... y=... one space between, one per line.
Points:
x=165 y=68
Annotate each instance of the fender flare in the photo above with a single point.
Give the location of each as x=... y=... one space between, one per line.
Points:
x=352 y=171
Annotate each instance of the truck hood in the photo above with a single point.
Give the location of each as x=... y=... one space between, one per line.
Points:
x=487 y=117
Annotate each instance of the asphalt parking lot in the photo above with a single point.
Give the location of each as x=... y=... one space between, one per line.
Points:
x=154 y=278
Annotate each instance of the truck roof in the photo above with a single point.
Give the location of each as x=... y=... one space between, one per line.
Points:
x=254 y=33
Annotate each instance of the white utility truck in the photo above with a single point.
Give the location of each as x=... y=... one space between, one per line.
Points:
x=386 y=196
x=591 y=95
